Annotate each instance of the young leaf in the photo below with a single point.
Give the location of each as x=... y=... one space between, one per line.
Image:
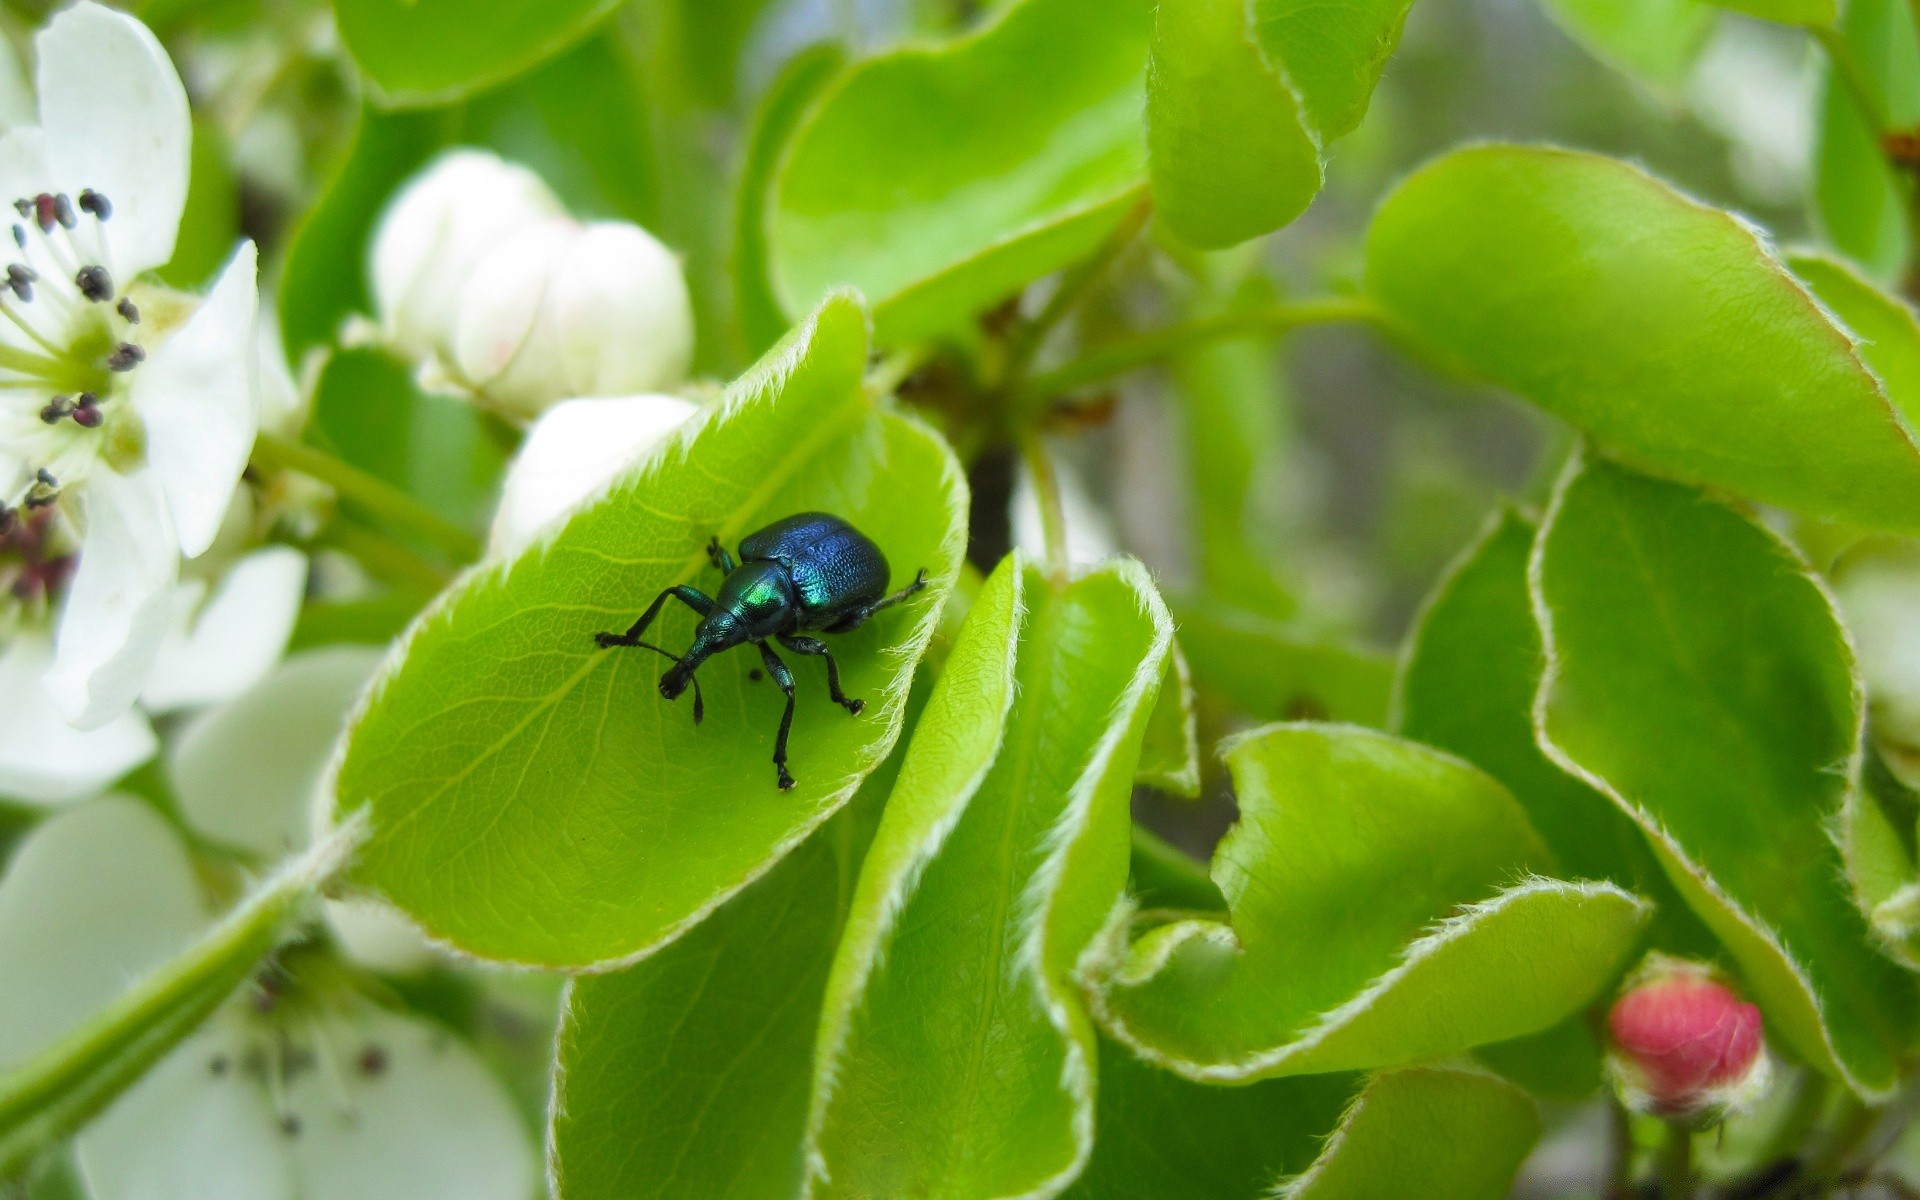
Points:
x=1467 y=685
x=1170 y=749
x=1157 y=1135
x=1396 y=855
x=1162 y=875
x=1664 y=329
x=1787 y=12
x=1243 y=99
x=762 y=317
x=954 y=1057
x=687 y=1074
x=939 y=180
x=1889 y=335
x=1231 y=152
x=532 y=797
x=1655 y=40
x=1697 y=675
x=1446 y=1133
x=421 y=52
x=1861 y=204
x=1272 y=674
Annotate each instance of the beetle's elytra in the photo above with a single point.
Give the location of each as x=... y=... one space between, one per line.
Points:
x=810 y=571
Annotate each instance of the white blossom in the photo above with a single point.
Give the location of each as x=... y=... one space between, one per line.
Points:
x=484 y=280
x=127 y=411
x=570 y=454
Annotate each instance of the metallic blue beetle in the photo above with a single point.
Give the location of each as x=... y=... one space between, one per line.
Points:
x=809 y=571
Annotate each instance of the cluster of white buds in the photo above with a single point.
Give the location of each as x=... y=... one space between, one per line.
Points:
x=481 y=275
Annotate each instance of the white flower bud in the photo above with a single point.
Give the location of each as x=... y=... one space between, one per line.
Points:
x=562 y=310
x=577 y=448
x=434 y=233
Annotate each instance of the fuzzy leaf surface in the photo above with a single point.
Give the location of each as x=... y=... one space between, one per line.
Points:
x=1667 y=611
x=1665 y=330
x=1413 y=867
x=533 y=799
x=939 y=180
x=955 y=1057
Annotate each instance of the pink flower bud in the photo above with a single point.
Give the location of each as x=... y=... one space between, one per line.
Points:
x=1683 y=1045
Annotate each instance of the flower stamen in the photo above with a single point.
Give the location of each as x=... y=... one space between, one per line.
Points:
x=94 y=283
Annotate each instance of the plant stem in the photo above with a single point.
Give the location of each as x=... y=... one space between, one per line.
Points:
x=1676 y=1163
x=1046 y=490
x=1159 y=344
x=1074 y=282
x=1619 y=1151
x=1853 y=1124
x=376 y=495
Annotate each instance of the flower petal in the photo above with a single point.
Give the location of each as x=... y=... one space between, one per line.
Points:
x=198 y=1127
x=423 y=1119
x=245 y=772
x=435 y=232
x=91 y=901
x=44 y=760
x=116 y=120
x=237 y=636
x=118 y=608
x=23 y=163
x=576 y=448
x=506 y=342
x=626 y=322
x=379 y=936
x=17 y=105
x=196 y=398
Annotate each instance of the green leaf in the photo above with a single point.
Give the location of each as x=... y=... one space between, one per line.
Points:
x=955 y=1059
x=1229 y=147
x=686 y=1075
x=1404 y=862
x=1441 y=1133
x=421 y=52
x=325 y=276
x=1698 y=675
x=1157 y=1135
x=532 y=797
x=1170 y=750
x=368 y=411
x=1888 y=336
x=1656 y=41
x=788 y=99
x=1787 y=12
x=1859 y=202
x=1561 y=1063
x=1467 y=686
x=1163 y=876
x=1272 y=674
x=940 y=180
x=1664 y=329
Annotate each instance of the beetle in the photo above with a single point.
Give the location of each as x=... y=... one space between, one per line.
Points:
x=810 y=571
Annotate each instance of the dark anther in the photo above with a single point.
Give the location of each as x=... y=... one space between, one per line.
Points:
x=86 y=411
x=20 y=235
x=8 y=519
x=217 y=1064
x=45 y=491
x=20 y=281
x=23 y=207
x=63 y=211
x=290 y=1125
x=373 y=1061
x=94 y=283
x=46 y=213
x=126 y=357
x=128 y=311
x=93 y=202
x=45 y=476
x=56 y=410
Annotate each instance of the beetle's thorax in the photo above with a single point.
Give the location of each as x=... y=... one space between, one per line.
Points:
x=756 y=601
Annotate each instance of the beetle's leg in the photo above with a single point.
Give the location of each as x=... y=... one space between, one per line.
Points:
x=718 y=556
x=693 y=598
x=860 y=616
x=784 y=678
x=807 y=645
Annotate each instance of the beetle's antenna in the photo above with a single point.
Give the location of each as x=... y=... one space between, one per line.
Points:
x=699 y=702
